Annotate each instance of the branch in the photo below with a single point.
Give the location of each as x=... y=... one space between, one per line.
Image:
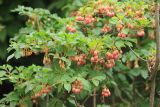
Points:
x=156 y=67
x=137 y=55
x=154 y=71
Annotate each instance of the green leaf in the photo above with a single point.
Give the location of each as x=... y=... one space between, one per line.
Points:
x=114 y=83
x=13 y=96
x=55 y=103
x=117 y=91
x=72 y=101
x=129 y=44
x=71 y=52
x=27 y=101
x=10 y=57
x=119 y=44
x=108 y=41
x=113 y=20
x=122 y=77
x=131 y=39
x=95 y=82
x=38 y=88
x=86 y=84
x=144 y=22
x=13 y=104
x=67 y=86
x=144 y=73
x=125 y=31
x=68 y=62
x=17 y=54
x=29 y=87
x=120 y=15
x=97 y=31
x=100 y=78
x=131 y=56
x=135 y=72
x=2 y=73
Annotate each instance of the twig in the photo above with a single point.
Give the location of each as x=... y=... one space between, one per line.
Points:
x=103 y=100
x=47 y=100
x=137 y=54
x=77 y=105
x=113 y=102
x=85 y=100
x=94 y=98
x=134 y=93
x=154 y=71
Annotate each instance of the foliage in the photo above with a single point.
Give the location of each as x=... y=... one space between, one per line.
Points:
x=8 y=20
x=104 y=47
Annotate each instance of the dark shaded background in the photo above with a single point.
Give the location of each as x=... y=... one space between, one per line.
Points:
x=10 y=23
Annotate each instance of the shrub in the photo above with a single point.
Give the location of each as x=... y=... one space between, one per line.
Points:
x=103 y=50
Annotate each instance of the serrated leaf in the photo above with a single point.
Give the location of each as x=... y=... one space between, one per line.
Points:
x=128 y=44
x=113 y=20
x=95 y=82
x=131 y=40
x=119 y=44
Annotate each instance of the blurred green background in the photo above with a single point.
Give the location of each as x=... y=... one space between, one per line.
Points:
x=10 y=22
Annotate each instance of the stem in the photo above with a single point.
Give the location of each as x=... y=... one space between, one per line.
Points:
x=47 y=100
x=113 y=102
x=152 y=93
x=103 y=100
x=154 y=71
x=94 y=98
x=134 y=93
x=77 y=105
